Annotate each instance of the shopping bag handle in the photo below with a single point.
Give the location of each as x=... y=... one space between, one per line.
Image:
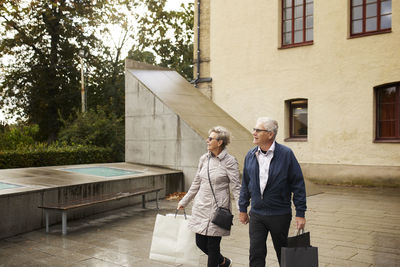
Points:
x=300 y=231
x=184 y=213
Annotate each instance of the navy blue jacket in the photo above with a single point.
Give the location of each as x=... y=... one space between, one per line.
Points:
x=285 y=177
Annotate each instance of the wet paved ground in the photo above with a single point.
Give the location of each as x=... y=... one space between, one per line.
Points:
x=350 y=227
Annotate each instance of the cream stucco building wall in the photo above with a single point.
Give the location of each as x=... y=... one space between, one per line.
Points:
x=252 y=76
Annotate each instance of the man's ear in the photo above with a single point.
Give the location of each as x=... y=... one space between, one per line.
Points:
x=271 y=136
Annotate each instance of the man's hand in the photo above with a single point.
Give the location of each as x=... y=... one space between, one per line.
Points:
x=180 y=207
x=300 y=222
x=243 y=217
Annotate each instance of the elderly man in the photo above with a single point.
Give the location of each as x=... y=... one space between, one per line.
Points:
x=271 y=174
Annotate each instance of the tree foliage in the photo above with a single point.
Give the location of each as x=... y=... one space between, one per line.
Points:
x=42 y=38
x=13 y=137
x=95 y=128
x=168 y=34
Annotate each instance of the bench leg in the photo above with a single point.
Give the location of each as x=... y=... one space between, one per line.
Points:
x=46 y=213
x=143 y=201
x=157 y=200
x=64 y=222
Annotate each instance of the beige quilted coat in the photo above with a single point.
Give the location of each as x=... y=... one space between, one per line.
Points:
x=224 y=175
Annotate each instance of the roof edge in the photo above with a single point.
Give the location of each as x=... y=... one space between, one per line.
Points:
x=133 y=64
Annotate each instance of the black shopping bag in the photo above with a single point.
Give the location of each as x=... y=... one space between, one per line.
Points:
x=299 y=252
x=299 y=257
x=299 y=240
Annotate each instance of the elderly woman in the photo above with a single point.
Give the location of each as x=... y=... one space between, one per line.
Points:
x=222 y=170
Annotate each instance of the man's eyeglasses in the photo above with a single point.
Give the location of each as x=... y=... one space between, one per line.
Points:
x=211 y=138
x=260 y=130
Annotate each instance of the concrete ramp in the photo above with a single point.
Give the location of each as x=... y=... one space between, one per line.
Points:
x=167 y=121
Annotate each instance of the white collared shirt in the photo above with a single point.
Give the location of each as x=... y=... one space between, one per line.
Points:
x=264 y=160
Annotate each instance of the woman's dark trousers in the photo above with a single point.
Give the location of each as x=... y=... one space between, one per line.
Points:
x=260 y=226
x=210 y=245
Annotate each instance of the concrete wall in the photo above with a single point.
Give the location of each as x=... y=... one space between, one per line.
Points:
x=155 y=135
x=253 y=76
x=20 y=213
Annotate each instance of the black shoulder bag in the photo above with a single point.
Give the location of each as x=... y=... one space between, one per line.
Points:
x=222 y=216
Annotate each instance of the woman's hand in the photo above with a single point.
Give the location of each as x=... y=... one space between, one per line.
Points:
x=180 y=207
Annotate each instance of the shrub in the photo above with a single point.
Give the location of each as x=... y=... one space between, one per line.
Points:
x=96 y=128
x=17 y=136
x=52 y=155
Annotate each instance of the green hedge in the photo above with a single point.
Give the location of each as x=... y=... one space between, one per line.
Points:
x=52 y=156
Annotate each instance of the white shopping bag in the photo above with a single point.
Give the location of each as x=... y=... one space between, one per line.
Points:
x=173 y=242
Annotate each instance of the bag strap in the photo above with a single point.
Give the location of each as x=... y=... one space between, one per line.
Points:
x=299 y=231
x=184 y=213
x=208 y=173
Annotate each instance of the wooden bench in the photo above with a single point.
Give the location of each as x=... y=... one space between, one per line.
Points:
x=65 y=207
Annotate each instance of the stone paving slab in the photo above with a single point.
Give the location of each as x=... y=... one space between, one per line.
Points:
x=350 y=226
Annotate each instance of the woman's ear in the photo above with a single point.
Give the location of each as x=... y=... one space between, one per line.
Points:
x=220 y=142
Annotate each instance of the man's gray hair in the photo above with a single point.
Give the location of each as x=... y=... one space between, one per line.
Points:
x=222 y=134
x=269 y=124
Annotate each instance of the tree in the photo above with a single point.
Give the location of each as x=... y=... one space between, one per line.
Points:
x=44 y=37
x=167 y=34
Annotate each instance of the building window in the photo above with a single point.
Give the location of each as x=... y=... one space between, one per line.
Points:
x=297 y=22
x=388 y=112
x=298 y=118
x=370 y=16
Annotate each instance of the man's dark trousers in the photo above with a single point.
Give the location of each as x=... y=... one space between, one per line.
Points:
x=260 y=226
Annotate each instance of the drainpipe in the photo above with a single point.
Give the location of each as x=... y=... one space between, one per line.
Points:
x=198 y=79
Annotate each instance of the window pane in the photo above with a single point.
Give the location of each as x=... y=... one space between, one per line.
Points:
x=357 y=26
x=298 y=24
x=309 y=9
x=298 y=2
x=287 y=14
x=357 y=12
x=356 y=2
x=309 y=22
x=287 y=3
x=371 y=1
x=288 y=26
x=386 y=22
x=387 y=112
x=298 y=11
x=298 y=36
x=287 y=38
x=309 y=1
x=371 y=24
x=387 y=120
x=372 y=10
x=387 y=129
x=386 y=7
x=299 y=121
x=309 y=35
x=387 y=95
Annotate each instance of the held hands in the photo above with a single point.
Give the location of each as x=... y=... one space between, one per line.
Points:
x=300 y=222
x=243 y=217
